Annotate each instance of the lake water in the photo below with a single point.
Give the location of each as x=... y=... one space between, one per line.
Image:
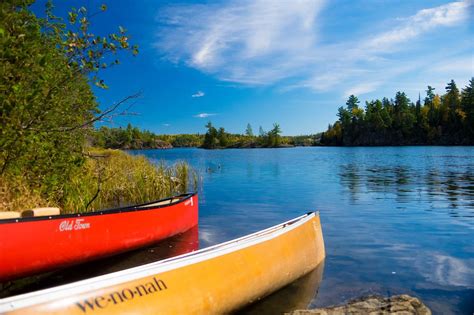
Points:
x=395 y=219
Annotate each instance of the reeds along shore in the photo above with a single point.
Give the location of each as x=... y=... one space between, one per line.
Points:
x=108 y=178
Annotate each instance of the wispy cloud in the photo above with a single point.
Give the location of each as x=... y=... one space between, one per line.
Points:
x=363 y=65
x=458 y=65
x=363 y=88
x=242 y=41
x=204 y=115
x=423 y=21
x=198 y=94
x=166 y=125
x=263 y=42
x=446 y=270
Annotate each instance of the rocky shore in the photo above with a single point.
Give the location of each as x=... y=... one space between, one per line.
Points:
x=398 y=304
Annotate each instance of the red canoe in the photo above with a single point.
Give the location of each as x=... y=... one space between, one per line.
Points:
x=37 y=244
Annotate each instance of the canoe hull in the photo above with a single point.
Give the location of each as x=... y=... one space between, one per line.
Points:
x=38 y=245
x=218 y=281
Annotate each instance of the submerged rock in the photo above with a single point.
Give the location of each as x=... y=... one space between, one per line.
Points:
x=397 y=304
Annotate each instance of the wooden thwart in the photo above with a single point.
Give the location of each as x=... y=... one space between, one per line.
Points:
x=9 y=214
x=40 y=212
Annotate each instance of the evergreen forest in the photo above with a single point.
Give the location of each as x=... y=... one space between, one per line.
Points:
x=446 y=119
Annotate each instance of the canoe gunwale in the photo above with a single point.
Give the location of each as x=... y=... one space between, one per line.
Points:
x=134 y=208
x=124 y=276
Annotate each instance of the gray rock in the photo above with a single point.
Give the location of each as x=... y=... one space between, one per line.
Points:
x=374 y=305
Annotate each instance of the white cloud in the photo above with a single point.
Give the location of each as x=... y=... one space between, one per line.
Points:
x=457 y=65
x=203 y=115
x=198 y=94
x=362 y=88
x=446 y=270
x=207 y=236
x=252 y=42
x=166 y=125
x=424 y=20
x=263 y=42
x=363 y=65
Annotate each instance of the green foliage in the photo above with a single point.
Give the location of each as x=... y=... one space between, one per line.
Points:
x=210 y=138
x=134 y=138
x=222 y=137
x=108 y=178
x=249 y=131
x=446 y=119
x=127 y=139
x=352 y=103
x=219 y=138
x=47 y=112
x=113 y=178
x=183 y=140
x=467 y=106
x=42 y=95
x=273 y=138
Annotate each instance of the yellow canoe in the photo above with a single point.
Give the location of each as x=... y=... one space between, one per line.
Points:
x=214 y=280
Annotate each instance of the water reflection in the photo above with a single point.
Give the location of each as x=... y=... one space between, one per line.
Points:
x=297 y=295
x=445 y=270
x=385 y=212
x=174 y=246
x=446 y=188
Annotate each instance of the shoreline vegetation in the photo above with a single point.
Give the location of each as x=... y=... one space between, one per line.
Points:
x=48 y=111
x=132 y=138
x=446 y=119
x=51 y=154
x=107 y=178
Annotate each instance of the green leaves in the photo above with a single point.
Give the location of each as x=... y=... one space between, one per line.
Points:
x=101 y=84
x=92 y=52
x=47 y=67
x=72 y=17
x=443 y=120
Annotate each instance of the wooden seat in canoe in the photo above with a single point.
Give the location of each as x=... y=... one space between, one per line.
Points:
x=9 y=214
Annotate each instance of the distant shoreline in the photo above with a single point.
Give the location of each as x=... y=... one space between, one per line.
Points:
x=306 y=146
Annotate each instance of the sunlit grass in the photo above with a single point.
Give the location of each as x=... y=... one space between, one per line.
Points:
x=16 y=195
x=109 y=178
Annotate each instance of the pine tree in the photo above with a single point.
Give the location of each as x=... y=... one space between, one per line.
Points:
x=249 y=131
x=467 y=103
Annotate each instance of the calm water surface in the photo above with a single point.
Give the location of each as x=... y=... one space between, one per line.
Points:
x=395 y=220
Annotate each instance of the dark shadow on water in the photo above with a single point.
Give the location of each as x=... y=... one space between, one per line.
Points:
x=174 y=246
x=435 y=298
x=296 y=295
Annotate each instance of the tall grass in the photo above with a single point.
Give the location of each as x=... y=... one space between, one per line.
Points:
x=111 y=178
x=17 y=195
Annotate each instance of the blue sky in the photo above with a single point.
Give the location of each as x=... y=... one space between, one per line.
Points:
x=265 y=61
